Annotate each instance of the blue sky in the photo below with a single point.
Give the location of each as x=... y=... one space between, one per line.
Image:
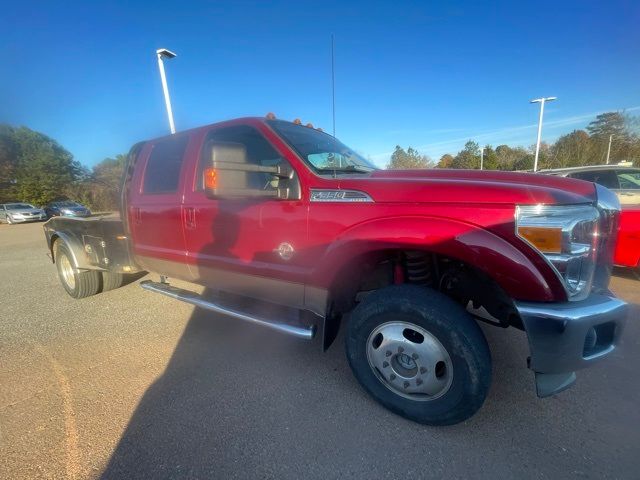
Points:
x=425 y=74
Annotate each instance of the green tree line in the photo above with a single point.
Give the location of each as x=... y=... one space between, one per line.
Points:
x=34 y=168
x=578 y=148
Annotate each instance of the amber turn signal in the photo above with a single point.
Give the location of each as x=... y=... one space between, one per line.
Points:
x=210 y=178
x=547 y=240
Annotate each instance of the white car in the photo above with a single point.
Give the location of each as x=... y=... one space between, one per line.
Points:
x=20 y=213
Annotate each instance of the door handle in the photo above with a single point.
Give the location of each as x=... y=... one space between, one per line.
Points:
x=137 y=215
x=190 y=218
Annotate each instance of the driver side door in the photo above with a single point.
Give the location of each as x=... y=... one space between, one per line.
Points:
x=251 y=246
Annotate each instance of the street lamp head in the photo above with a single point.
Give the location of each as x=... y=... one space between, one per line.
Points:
x=163 y=52
x=543 y=99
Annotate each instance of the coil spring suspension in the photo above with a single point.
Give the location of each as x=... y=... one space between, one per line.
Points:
x=418 y=268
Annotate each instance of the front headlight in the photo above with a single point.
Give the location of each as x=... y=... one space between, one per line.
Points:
x=567 y=236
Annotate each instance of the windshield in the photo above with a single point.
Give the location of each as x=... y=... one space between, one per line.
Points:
x=322 y=152
x=19 y=206
x=66 y=204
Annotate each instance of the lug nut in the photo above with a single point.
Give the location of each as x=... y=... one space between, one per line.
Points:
x=414 y=356
x=392 y=376
x=400 y=349
x=385 y=364
x=388 y=353
x=423 y=370
x=419 y=381
x=406 y=384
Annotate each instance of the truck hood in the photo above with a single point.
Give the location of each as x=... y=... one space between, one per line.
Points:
x=471 y=186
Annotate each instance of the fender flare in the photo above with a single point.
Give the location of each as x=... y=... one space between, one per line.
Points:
x=518 y=274
x=76 y=251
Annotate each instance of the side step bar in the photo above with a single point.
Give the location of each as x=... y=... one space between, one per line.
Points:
x=194 y=299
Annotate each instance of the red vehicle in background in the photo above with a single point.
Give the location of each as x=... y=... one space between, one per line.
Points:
x=624 y=181
x=628 y=246
x=287 y=228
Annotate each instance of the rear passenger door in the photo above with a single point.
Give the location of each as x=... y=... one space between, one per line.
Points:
x=155 y=207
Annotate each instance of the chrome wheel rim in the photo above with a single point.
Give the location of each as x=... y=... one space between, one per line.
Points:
x=67 y=271
x=409 y=361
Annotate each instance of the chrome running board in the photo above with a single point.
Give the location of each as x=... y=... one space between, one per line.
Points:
x=195 y=299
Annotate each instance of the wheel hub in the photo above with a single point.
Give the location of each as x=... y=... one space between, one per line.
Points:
x=67 y=271
x=406 y=361
x=409 y=361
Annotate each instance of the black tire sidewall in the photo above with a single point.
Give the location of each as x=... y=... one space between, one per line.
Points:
x=451 y=325
x=111 y=280
x=63 y=250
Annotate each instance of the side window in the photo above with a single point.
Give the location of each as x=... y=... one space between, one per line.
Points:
x=259 y=152
x=629 y=179
x=162 y=174
x=606 y=178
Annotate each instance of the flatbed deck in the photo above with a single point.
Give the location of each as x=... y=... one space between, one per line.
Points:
x=98 y=242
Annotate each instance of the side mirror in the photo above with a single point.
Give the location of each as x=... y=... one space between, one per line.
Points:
x=230 y=174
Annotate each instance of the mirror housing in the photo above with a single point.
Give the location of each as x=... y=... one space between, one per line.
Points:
x=229 y=174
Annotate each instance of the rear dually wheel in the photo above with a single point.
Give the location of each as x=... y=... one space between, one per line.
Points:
x=77 y=283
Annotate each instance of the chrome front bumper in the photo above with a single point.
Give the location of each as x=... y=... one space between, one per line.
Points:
x=564 y=337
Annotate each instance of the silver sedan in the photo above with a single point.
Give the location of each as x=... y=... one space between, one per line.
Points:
x=20 y=213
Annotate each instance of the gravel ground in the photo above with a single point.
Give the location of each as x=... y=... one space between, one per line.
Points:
x=128 y=384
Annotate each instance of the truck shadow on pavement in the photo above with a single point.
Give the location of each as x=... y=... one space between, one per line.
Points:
x=241 y=401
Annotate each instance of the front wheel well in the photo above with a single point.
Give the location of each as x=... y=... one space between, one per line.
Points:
x=473 y=289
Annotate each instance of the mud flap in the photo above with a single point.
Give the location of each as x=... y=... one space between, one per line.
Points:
x=548 y=384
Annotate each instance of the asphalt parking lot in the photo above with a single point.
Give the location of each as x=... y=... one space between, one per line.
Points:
x=128 y=384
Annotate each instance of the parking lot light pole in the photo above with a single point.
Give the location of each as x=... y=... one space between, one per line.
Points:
x=609 y=149
x=164 y=53
x=541 y=101
x=481 y=157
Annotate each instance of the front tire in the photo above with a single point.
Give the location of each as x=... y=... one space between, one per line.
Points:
x=77 y=283
x=419 y=354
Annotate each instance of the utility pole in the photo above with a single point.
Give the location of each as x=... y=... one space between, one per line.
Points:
x=168 y=54
x=541 y=101
x=609 y=149
x=481 y=158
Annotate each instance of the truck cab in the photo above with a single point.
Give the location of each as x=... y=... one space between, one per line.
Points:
x=279 y=215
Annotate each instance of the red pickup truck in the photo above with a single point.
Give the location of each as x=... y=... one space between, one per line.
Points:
x=292 y=230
